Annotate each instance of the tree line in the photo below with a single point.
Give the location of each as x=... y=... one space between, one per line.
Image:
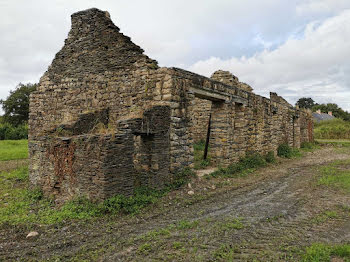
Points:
x=309 y=103
x=14 y=122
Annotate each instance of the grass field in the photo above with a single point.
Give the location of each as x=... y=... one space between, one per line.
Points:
x=332 y=129
x=340 y=142
x=13 y=149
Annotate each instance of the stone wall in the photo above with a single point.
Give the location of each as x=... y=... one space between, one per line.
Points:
x=106 y=119
x=200 y=119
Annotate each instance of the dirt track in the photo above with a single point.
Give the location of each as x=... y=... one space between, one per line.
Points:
x=269 y=216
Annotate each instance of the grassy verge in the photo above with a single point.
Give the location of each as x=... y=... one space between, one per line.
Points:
x=332 y=129
x=21 y=205
x=336 y=142
x=13 y=149
x=324 y=253
x=334 y=175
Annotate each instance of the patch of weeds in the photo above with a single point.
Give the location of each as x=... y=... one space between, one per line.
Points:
x=224 y=253
x=334 y=176
x=155 y=234
x=180 y=179
x=284 y=150
x=244 y=166
x=185 y=224
x=177 y=245
x=23 y=205
x=270 y=157
x=230 y=224
x=309 y=146
x=199 y=162
x=18 y=175
x=276 y=217
x=321 y=218
x=145 y=249
x=318 y=252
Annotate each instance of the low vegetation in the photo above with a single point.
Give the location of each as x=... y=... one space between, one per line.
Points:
x=332 y=129
x=9 y=132
x=334 y=175
x=324 y=253
x=199 y=162
x=13 y=149
x=21 y=205
x=244 y=166
x=284 y=150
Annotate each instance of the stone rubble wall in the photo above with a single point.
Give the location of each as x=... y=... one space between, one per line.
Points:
x=106 y=119
x=200 y=119
x=257 y=124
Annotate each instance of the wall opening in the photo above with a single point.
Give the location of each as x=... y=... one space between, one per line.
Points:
x=201 y=118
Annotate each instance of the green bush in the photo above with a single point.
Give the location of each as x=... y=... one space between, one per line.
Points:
x=284 y=150
x=332 y=129
x=270 y=157
x=9 y=132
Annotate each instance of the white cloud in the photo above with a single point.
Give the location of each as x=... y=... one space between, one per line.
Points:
x=316 y=65
x=321 y=6
x=176 y=33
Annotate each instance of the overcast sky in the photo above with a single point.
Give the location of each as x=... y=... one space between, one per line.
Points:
x=297 y=48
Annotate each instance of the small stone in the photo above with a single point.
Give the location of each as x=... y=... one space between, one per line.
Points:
x=189 y=185
x=191 y=192
x=32 y=234
x=6 y=195
x=213 y=187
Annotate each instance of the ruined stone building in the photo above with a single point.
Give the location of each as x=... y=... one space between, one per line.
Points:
x=106 y=119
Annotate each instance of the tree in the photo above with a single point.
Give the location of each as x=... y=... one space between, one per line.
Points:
x=16 y=106
x=335 y=109
x=305 y=102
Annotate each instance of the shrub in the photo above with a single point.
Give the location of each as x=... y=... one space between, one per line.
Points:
x=284 y=150
x=270 y=157
x=9 y=132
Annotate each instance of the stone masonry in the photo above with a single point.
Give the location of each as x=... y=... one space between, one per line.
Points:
x=106 y=119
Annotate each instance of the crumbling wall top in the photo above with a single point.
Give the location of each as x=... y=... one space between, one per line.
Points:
x=228 y=78
x=96 y=46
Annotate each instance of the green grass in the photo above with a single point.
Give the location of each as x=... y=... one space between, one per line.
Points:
x=284 y=150
x=20 y=204
x=324 y=216
x=333 y=175
x=332 y=129
x=243 y=167
x=323 y=253
x=224 y=253
x=232 y=224
x=199 y=162
x=13 y=149
x=309 y=146
x=336 y=142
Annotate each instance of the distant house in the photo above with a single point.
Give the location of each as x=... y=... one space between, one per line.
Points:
x=318 y=116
